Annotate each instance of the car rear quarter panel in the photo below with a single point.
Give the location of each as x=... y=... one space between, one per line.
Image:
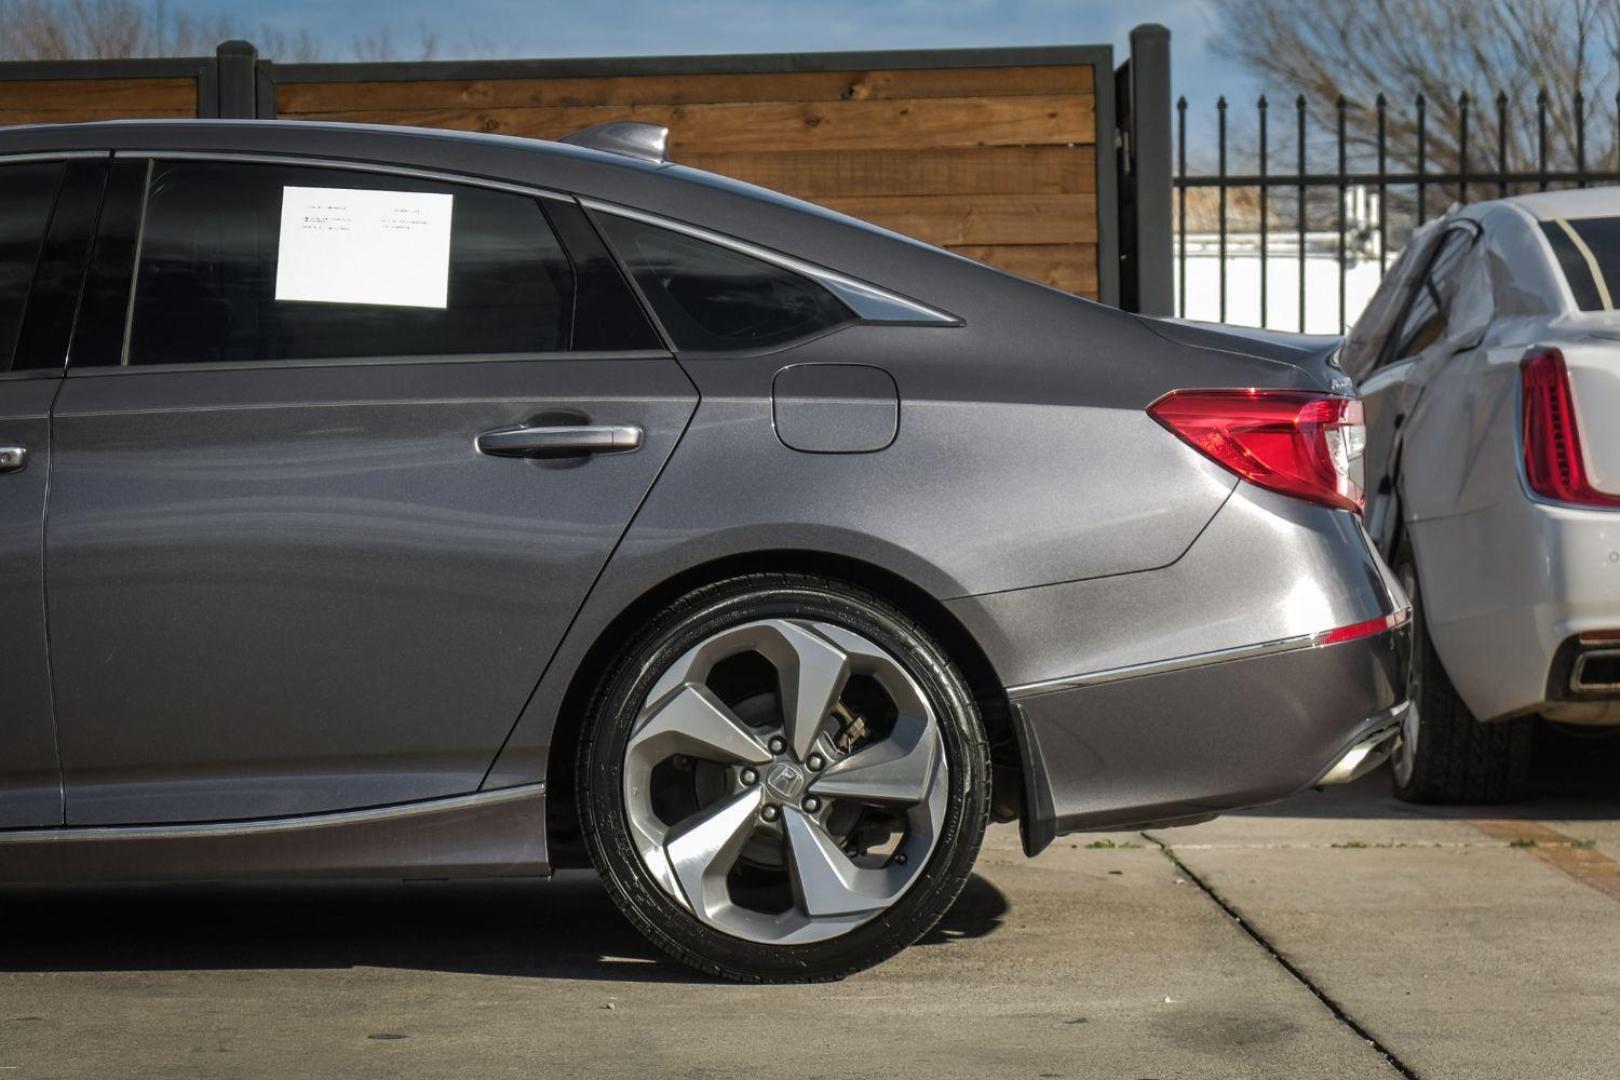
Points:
x=1505 y=578
x=1024 y=457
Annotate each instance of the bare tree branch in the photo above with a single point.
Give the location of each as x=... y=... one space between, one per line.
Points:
x=1501 y=54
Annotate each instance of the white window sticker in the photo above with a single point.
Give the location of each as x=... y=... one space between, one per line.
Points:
x=353 y=246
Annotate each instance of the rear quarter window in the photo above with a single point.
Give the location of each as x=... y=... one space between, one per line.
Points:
x=712 y=298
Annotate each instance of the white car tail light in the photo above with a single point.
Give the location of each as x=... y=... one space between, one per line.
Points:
x=1553 y=465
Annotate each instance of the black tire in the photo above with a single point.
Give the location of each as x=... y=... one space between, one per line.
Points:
x=1458 y=758
x=604 y=817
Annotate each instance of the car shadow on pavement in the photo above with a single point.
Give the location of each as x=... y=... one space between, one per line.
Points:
x=1574 y=776
x=565 y=928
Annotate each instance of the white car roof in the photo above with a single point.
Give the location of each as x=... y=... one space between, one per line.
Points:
x=1581 y=203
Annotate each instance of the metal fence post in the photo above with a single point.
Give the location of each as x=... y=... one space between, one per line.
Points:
x=237 y=65
x=1145 y=200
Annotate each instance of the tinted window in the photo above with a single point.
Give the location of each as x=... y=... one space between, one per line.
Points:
x=211 y=248
x=26 y=195
x=1588 y=252
x=1426 y=317
x=1365 y=345
x=713 y=298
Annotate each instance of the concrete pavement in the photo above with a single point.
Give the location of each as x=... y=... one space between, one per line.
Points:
x=1459 y=950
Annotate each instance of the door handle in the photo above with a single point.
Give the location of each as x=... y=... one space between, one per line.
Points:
x=560 y=441
x=13 y=458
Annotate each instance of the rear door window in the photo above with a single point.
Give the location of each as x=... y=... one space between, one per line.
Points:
x=714 y=298
x=27 y=193
x=248 y=262
x=1426 y=317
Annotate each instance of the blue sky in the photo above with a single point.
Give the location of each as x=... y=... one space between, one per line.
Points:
x=540 y=28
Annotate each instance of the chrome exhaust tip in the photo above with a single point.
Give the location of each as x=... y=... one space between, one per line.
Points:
x=1370 y=752
x=1596 y=671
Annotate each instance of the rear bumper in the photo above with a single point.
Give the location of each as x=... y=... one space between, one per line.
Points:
x=1505 y=593
x=1187 y=744
x=1371 y=751
x=1224 y=722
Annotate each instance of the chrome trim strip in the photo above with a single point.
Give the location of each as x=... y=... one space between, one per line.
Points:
x=1393 y=620
x=368 y=816
x=1162 y=667
x=1577 y=675
x=52 y=155
x=347 y=165
x=870 y=302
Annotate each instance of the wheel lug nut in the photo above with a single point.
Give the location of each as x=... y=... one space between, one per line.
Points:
x=770 y=813
x=815 y=763
x=812 y=804
x=749 y=776
x=778 y=745
x=900 y=858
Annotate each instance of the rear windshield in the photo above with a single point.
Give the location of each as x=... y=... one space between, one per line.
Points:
x=1588 y=251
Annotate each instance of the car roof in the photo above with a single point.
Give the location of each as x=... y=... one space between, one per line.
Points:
x=231 y=135
x=720 y=204
x=1580 y=203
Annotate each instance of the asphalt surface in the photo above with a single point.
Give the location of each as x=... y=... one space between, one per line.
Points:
x=1341 y=934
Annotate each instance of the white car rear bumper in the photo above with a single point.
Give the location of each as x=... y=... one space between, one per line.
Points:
x=1505 y=592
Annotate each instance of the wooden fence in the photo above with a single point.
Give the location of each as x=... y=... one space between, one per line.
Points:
x=992 y=153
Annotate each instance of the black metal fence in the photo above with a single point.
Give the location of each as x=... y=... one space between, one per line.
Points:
x=1353 y=149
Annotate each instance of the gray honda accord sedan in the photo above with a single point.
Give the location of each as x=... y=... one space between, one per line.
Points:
x=412 y=504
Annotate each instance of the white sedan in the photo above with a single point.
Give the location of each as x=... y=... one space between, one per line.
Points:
x=1489 y=366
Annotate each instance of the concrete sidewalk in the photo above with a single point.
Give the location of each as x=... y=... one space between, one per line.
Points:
x=1470 y=942
x=1375 y=939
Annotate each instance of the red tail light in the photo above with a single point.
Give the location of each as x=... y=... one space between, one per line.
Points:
x=1553 y=466
x=1292 y=441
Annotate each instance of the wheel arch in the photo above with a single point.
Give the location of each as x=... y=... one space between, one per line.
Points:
x=1008 y=796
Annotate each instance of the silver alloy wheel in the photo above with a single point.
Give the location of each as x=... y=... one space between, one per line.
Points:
x=787 y=804
x=1403 y=759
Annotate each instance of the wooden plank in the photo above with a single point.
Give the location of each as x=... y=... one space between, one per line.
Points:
x=832 y=125
x=121 y=97
x=993 y=219
x=1070 y=267
x=74 y=116
x=977 y=170
x=300 y=98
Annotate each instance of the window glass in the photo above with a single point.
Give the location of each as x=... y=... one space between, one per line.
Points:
x=713 y=298
x=364 y=265
x=1365 y=344
x=27 y=193
x=1426 y=318
x=1589 y=259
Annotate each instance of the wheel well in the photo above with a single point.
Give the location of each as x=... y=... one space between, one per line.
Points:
x=933 y=616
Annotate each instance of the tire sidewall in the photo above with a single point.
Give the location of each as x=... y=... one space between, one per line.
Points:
x=698 y=617
x=1405 y=567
